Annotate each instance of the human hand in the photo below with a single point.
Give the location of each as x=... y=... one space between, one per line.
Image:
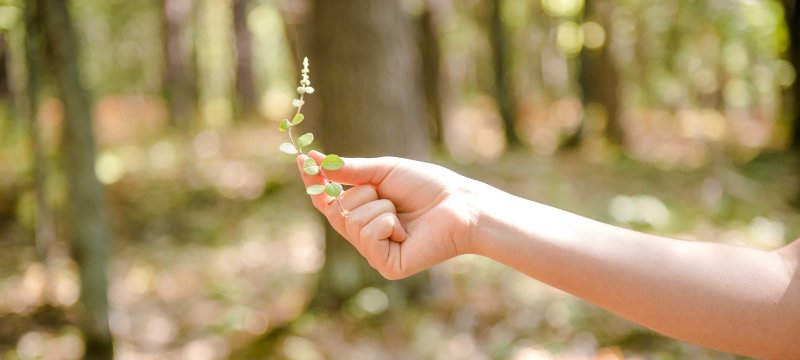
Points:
x=403 y=216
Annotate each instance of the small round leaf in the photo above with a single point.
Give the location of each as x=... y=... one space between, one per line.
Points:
x=332 y=162
x=333 y=189
x=288 y=148
x=285 y=125
x=315 y=189
x=310 y=167
x=305 y=140
x=298 y=118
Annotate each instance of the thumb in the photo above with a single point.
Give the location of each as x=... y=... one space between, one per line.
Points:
x=358 y=171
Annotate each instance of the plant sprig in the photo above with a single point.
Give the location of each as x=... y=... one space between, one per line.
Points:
x=295 y=146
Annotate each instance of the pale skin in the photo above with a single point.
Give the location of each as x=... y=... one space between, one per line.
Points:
x=405 y=216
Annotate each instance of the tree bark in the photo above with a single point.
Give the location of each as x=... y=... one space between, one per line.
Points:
x=179 y=77
x=792 y=14
x=503 y=95
x=88 y=231
x=45 y=231
x=598 y=76
x=246 y=96
x=5 y=83
x=365 y=69
x=431 y=56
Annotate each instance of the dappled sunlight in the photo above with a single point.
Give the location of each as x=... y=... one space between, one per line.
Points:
x=122 y=119
x=546 y=125
x=643 y=209
x=676 y=118
x=236 y=275
x=66 y=345
x=227 y=293
x=475 y=132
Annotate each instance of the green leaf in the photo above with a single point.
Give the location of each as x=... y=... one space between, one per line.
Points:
x=310 y=167
x=332 y=162
x=315 y=189
x=333 y=189
x=288 y=148
x=285 y=125
x=305 y=140
x=298 y=118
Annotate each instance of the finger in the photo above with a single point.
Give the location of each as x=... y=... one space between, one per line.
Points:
x=385 y=226
x=363 y=215
x=375 y=244
x=352 y=199
x=357 y=171
x=321 y=200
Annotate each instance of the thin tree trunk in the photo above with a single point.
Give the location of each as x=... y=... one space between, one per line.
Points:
x=793 y=23
x=431 y=72
x=5 y=76
x=498 y=39
x=88 y=230
x=7 y=100
x=598 y=76
x=246 y=97
x=179 y=77
x=45 y=231
x=365 y=70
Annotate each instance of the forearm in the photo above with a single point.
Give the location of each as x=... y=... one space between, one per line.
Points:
x=725 y=297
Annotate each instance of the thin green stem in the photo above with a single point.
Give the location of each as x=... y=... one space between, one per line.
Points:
x=300 y=150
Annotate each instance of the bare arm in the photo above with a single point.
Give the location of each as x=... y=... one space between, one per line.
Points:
x=406 y=216
x=725 y=297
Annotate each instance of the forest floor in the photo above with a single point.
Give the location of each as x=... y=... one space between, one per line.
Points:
x=215 y=245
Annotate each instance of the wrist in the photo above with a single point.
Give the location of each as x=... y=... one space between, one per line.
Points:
x=482 y=203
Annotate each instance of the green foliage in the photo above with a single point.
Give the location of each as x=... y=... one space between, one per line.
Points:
x=310 y=166
x=305 y=140
x=333 y=189
x=332 y=162
x=315 y=189
x=288 y=148
x=285 y=125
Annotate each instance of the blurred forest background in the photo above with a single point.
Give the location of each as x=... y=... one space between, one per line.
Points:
x=146 y=211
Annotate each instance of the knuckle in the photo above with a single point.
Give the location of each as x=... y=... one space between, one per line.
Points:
x=388 y=204
x=366 y=234
x=353 y=224
x=369 y=190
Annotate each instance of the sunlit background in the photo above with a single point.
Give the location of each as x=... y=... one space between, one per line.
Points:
x=673 y=117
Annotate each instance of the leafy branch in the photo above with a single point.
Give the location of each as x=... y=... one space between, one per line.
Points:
x=295 y=146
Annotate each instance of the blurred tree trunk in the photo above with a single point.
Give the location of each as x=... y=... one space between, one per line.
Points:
x=295 y=15
x=87 y=219
x=180 y=77
x=598 y=76
x=793 y=23
x=365 y=68
x=498 y=40
x=45 y=231
x=246 y=97
x=431 y=55
x=5 y=76
x=7 y=103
